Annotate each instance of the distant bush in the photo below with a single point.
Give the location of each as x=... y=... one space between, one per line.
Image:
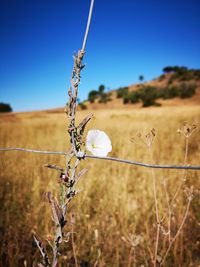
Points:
x=122 y=92
x=148 y=95
x=104 y=98
x=169 y=92
x=183 y=74
x=82 y=105
x=182 y=90
x=186 y=90
x=126 y=99
x=196 y=74
x=135 y=96
x=177 y=69
x=101 y=89
x=132 y=97
x=168 y=69
x=162 y=77
x=92 y=96
x=5 y=107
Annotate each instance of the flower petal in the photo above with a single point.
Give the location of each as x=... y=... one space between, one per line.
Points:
x=98 y=143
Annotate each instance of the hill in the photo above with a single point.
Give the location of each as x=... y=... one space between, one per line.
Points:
x=176 y=86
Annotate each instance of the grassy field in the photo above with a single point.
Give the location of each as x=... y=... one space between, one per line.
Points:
x=115 y=219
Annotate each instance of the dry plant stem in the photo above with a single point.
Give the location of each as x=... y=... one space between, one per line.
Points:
x=130 y=257
x=55 y=256
x=148 y=246
x=171 y=241
x=169 y=212
x=68 y=178
x=126 y=161
x=134 y=257
x=184 y=172
x=185 y=162
x=183 y=178
x=186 y=149
x=178 y=232
x=73 y=244
x=156 y=208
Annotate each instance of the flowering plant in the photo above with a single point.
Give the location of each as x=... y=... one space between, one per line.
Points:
x=98 y=143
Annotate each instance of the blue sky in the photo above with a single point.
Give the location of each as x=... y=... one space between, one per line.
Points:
x=127 y=38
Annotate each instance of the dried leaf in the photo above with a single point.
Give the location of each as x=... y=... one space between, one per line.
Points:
x=56 y=211
x=55 y=167
x=81 y=126
x=43 y=252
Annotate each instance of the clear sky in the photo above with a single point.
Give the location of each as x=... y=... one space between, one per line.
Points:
x=127 y=38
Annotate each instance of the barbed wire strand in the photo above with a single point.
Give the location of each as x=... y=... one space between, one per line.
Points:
x=131 y=162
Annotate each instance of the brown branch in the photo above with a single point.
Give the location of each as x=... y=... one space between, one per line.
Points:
x=178 y=232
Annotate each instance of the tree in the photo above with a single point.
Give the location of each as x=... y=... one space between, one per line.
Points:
x=92 y=95
x=122 y=92
x=148 y=95
x=141 y=78
x=179 y=69
x=82 y=105
x=135 y=97
x=168 y=69
x=187 y=90
x=101 y=89
x=5 y=107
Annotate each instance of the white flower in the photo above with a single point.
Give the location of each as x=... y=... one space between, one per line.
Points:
x=98 y=143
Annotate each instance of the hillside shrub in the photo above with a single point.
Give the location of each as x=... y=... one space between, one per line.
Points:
x=100 y=93
x=122 y=92
x=148 y=95
x=126 y=99
x=186 y=90
x=135 y=97
x=4 y=107
x=169 y=92
x=104 y=98
x=101 y=89
x=162 y=77
x=92 y=96
x=82 y=105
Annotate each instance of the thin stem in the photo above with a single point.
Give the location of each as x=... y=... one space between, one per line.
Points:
x=185 y=162
x=183 y=176
x=186 y=149
x=131 y=162
x=169 y=212
x=73 y=246
x=157 y=241
x=130 y=257
x=88 y=25
x=55 y=254
x=134 y=257
x=178 y=232
x=156 y=207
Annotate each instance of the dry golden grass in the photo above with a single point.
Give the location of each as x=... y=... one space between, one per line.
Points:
x=116 y=202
